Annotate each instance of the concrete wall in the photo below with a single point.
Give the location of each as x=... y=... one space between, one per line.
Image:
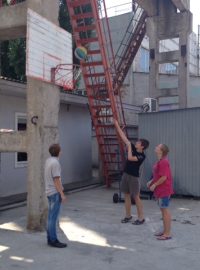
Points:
x=140 y=89
x=12 y=180
x=75 y=137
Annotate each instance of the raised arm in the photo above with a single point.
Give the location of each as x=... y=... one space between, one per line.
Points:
x=121 y=133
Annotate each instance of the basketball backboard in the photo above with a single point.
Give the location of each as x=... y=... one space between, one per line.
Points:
x=47 y=47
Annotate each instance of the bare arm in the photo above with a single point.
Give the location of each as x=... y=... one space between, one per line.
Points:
x=130 y=156
x=121 y=133
x=161 y=180
x=59 y=187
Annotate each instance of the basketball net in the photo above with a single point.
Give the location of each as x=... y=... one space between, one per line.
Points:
x=66 y=76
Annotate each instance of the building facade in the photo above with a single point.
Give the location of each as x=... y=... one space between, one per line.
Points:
x=74 y=137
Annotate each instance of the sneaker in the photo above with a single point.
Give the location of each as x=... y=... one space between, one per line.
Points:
x=57 y=244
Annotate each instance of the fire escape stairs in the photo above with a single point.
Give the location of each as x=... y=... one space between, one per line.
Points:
x=102 y=78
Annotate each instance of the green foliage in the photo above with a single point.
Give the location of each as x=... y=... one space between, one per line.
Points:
x=13 y=59
x=63 y=16
x=17 y=57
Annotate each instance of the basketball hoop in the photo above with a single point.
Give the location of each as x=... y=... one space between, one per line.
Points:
x=66 y=75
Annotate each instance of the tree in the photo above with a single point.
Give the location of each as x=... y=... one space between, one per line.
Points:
x=13 y=59
x=63 y=16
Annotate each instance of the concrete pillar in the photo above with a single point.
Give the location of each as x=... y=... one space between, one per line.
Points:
x=169 y=24
x=153 y=57
x=43 y=108
x=43 y=101
x=184 y=62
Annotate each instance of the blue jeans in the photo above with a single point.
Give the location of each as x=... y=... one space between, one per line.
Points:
x=164 y=202
x=54 y=209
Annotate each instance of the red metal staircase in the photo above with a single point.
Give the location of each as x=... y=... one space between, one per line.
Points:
x=129 y=46
x=89 y=31
x=104 y=73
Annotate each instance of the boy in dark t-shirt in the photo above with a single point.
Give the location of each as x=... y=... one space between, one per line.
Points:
x=130 y=179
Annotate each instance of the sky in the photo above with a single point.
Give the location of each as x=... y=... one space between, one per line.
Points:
x=194 y=7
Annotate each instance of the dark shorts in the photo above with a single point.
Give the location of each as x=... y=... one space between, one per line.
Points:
x=130 y=184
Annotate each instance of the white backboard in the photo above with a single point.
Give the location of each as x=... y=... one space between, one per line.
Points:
x=47 y=46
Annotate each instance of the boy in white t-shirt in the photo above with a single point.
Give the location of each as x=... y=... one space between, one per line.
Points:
x=55 y=194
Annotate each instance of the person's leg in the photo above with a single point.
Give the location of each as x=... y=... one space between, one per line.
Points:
x=166 y=221
x=127 y=204
x=139 y=207
x=166 y=216
x=127 y=197
x=135 y=191
x=54 y=208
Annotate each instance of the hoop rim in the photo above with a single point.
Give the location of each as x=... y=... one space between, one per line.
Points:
x=66 y=75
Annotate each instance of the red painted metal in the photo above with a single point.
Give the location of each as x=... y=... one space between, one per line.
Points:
x=104 y=75
x=127 y=51
x=98 y=79
x=66 y=75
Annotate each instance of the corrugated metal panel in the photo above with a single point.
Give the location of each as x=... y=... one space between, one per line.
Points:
x=180 y=130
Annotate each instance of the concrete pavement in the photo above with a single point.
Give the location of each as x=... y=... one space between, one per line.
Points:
x=90 y=223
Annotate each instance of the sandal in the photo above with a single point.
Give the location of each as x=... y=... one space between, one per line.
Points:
x=126 y=219
x=138 y=222
x=158 y=234
x=163 y=237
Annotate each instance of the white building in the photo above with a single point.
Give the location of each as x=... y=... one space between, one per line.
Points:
x=74 y=131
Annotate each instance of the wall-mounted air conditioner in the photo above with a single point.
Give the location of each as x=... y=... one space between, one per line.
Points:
x=150 y=105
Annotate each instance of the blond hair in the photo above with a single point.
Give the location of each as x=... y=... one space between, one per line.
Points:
x=165 y=149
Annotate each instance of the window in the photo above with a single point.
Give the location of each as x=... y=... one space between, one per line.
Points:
x=20 y=124
x=144 y=60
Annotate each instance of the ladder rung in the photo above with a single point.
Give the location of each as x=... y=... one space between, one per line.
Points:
x=85 y=28
x=94 y=75
x=111 y=135
x=90 y=52
x=109 y=144
x=79 y=3
x=106 y=126
x=101 y=106
x=82 y=16
x=96 y=86
x=103 y=116
x=95 y=63
x=87 y=40
x=99 y=97
x=113 y=162
x=109 y=153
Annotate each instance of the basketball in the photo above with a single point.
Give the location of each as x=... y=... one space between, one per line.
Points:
x=80 y=53
x=9 y=2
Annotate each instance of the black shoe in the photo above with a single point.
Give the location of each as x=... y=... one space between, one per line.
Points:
x=57 y=244
x=126 y=219
x=138 y=222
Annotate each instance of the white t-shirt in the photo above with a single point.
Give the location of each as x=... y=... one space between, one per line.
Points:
x=52 y=170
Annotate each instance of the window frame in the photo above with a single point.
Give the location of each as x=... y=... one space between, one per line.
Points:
x=20 y=164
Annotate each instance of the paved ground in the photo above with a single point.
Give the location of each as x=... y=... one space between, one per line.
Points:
x=90 y=223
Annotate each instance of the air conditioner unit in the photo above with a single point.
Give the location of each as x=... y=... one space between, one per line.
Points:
x=150 y=105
